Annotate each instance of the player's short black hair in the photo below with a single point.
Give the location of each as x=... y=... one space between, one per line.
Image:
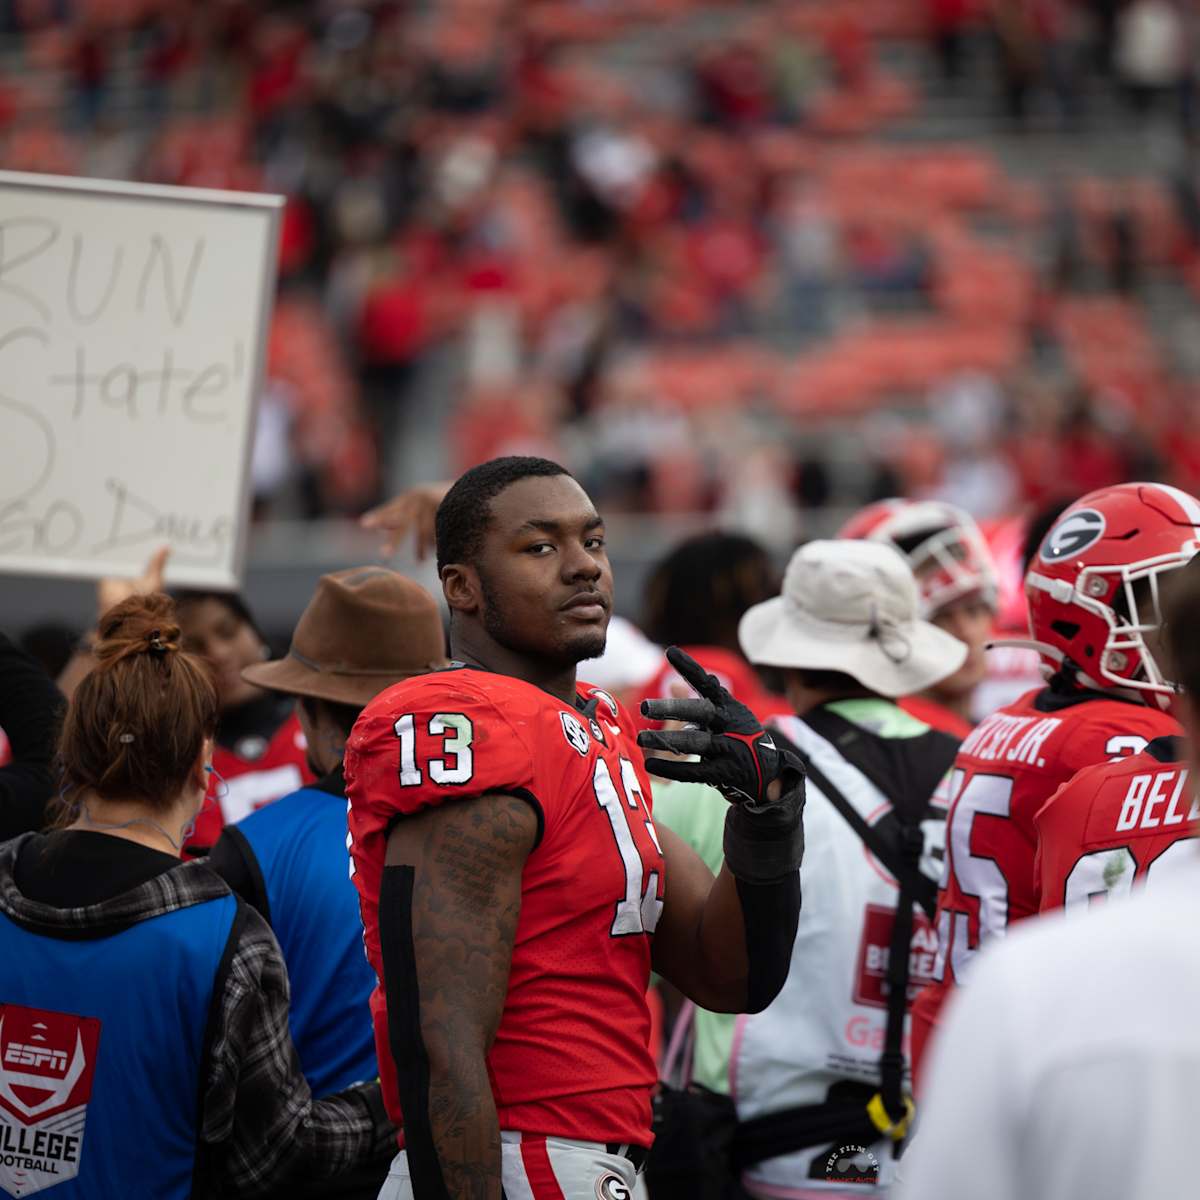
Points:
x=465 y=513
x=696 y=595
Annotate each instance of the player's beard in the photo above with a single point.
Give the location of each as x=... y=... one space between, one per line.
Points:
x=588 y=643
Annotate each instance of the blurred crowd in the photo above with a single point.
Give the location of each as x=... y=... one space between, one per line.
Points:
x=673 y=244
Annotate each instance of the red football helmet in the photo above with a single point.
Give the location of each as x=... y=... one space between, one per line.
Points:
x=943 y=546
x=1093 y=586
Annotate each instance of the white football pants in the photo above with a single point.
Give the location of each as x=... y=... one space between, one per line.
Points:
x=544 y=1168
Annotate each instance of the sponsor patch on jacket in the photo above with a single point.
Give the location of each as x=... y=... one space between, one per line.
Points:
x=870 y=976
x=47 y=1062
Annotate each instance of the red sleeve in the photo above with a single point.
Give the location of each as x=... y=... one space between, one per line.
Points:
x=415 y=747
x=1061 y=826
x=1056 y=823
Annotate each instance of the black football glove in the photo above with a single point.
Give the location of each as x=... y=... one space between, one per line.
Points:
x=737 y=756
x=764 y=838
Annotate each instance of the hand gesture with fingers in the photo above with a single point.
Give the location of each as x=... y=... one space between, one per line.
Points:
x=737 y=756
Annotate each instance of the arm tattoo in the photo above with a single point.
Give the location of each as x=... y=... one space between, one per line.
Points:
x=466 y=899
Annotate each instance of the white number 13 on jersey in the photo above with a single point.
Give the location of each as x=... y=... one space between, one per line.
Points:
x=456 y=733
x=637 y=911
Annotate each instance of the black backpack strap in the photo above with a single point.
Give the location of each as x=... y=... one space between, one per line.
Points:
x=895 y=1104
x=838 y=1120
x=890 y=851
x=898 y=845
x=906 y=770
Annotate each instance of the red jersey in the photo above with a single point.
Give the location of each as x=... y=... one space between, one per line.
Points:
x=1006 y=770
x=1115 y=824
x=255 y=771
x=571 y=1056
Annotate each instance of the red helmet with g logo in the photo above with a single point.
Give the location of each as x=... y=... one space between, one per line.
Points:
x=1094 y=584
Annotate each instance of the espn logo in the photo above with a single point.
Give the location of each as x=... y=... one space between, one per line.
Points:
x=34 y=1056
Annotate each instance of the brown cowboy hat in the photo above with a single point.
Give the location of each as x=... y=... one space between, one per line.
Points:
x=363 y=630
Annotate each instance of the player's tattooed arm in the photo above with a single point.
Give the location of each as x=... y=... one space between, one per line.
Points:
x=448 y=918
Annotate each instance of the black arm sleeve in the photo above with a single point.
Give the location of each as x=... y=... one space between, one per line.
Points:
x=233 y=858
x=770 y=916
x=404 y=1031
x=763 y=849
x=30 y=711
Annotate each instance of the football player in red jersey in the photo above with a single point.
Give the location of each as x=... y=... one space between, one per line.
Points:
x=1094 y=599
x=1116 y=824
x=1126 y=822
x=959 y=593
x=513 y=886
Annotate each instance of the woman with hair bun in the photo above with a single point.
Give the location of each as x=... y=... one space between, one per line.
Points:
x=260 y=753
x=144 y=1045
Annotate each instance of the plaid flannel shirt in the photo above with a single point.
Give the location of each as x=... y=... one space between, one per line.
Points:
x=259 y=1126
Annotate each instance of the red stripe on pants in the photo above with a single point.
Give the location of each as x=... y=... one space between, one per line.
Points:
x=536 y=1158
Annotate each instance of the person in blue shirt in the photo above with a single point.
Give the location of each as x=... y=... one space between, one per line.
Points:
x=364 y=629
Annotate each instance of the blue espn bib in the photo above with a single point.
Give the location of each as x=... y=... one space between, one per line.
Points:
x=101 y=1042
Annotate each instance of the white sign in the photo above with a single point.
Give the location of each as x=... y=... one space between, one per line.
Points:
x=133 y=322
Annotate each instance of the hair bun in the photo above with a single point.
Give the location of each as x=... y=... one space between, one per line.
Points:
x=143 y=624
x=137 y=723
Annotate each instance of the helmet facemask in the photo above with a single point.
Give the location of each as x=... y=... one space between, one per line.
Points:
x=949 y=563
x=1129 y=599
x=1131 y=653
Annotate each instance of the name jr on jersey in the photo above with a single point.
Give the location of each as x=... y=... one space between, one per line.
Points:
x=1153 y=801
x=1011 y=739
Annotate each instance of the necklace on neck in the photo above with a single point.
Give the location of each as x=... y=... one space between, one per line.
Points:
x=88 y=819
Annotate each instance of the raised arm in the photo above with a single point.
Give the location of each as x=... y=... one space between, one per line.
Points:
x=726 y=943
x=448 y=910
x=413 y=512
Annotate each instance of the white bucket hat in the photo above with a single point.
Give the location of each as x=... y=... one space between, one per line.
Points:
x=851 y=606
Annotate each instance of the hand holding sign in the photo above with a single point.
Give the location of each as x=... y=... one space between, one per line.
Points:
x=110 y=592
